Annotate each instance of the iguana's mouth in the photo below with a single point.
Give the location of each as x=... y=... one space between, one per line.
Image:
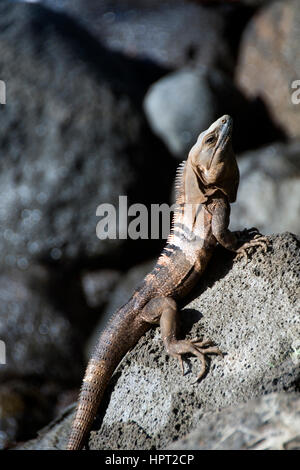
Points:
x=226 y=131
x=225 y=135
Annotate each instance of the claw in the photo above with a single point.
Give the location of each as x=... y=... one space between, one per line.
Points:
x=242 y=254
x=196 y=347
x=213 y=350
x=258 y=240
x=181 y=363
x=203 y=368
x=196 y=341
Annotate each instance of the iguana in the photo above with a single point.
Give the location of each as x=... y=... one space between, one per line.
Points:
x=206 y=184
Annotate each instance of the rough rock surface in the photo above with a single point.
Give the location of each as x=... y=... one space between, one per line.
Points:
x=72 y=136
x=269 y=61
x=269 y=190
x=268 y=422
x=251 y=311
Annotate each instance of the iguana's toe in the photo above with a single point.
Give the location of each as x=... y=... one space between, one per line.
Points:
x=248 y=247
x=198 y=348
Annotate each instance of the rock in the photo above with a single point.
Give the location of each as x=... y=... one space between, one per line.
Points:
x=41 y=342
x=251 y=312
x=98 y=285
x=151 y=28
x=72 y=136
x=269 y=62
x=43 y=352
x=270 y=422
x=128 y=283
x=24 y=408
x=269 y=191
x=178 y=106
x=184 y=103
x=254 y=3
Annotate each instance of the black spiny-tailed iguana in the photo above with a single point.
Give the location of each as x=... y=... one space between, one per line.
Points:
x=207 y=183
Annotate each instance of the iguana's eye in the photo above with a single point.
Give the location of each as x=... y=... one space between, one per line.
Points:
x=210 y=139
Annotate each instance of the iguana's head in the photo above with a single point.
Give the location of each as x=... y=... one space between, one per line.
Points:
x=213 y=161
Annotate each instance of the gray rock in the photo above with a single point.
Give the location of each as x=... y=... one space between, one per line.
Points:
x=251 y=312
x=72 y=136
x=24 y=408
x=127 y=284
x=269 y=63
x=151 y=28
x=184 y=103
x=40 y=340
x=98 y=285
x=270 y=422
x=269 y=191
x=178 y=106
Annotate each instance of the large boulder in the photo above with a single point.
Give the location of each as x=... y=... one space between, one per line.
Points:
x=184 y=103
x=41 y=341
x=43 y=351
x=269 y=190
x=72 y=136
x=151 y=28
x=251 y=311
x=255 y=3
x=269 y=62
x=264 y=423
x=24 y=408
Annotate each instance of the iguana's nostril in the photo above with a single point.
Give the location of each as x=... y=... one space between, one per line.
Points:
x=226 y=119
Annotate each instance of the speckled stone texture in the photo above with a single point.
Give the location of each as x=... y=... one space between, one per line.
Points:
x=268 y=422
x=251 y=311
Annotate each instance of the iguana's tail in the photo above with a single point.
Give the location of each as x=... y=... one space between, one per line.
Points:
x=121 y=334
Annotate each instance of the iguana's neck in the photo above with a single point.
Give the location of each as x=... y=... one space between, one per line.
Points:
x=188 y=203
x=188 y=191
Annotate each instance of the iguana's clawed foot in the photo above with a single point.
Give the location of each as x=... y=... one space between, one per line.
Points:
x=252 y=239
x=177 y=348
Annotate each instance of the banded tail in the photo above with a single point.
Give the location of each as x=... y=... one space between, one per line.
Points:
x=121 y=334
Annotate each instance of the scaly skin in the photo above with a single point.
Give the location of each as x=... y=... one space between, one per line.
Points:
x=206 y=185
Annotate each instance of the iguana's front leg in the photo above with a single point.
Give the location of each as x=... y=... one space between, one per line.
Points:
x=240 y=241
x=163 y=310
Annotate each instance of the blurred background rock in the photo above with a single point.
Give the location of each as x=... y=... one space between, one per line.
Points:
x=103 y=99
